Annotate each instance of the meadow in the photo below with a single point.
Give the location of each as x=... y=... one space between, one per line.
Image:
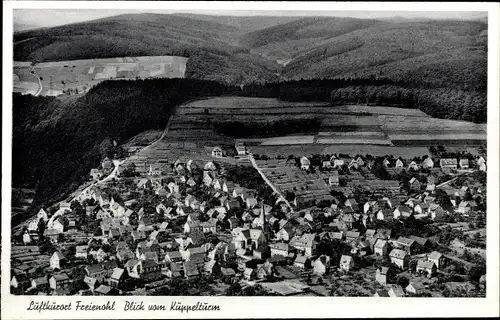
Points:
x=80 y=75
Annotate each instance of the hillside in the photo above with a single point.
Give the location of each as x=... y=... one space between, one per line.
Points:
x=430 y=52
x=211 y=46
x=440 y=53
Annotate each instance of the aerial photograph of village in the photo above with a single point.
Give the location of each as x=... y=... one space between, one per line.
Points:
x=338 y=154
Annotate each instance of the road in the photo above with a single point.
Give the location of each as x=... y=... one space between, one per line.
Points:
x=269 y=183
x=40 y=87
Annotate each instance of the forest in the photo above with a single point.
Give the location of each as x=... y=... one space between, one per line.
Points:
x=239 y=129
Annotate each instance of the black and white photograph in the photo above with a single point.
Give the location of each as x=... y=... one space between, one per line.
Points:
x=228 y=153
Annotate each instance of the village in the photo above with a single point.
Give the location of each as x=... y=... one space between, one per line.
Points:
x=316 y=225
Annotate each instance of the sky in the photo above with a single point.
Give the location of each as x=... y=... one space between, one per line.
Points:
x=39 y=18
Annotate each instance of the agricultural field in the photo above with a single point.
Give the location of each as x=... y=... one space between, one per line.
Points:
x=81 y=75
x=350 y=129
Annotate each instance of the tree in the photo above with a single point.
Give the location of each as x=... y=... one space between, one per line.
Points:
x=106 y=147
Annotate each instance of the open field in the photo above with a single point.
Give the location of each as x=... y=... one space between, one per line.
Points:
x=343 y=129
x=349 y=129
x=83 y=74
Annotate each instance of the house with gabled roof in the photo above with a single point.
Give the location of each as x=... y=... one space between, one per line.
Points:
x=437 y=258
x=427 y=163
x=426 y=267
x=396 y=291
x=57 y=260
x=59 y=281
x=346 y=263
x=400 y=258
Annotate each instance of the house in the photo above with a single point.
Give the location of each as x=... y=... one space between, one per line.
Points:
x=104 y=290
x=212 y=267
x=481 y=164
x=241 y=150
x=381 y=247
x=191 y=270
x=107 y=164
x=286 y=233
x=26 y=237
x=464 y=163
x=381 y=294
x=41 y=284
x=426 y=267
x=427 y=163
x=304 y=163
x=81 y=251
x=96 y=271
x=92 y=283
x=406 y=244
x=399 y=164
x=144 y=184
x=117 y=278
x=402 y=212
x=228 y=275
x=333 y=181
x=321 y=265
x=59 y=281
x=352 y=235
x=217 y=152
x=415 y=184
x=382 y=275
x=346 y=263
x=326 y=164
x=304 y=243
x=280 y=249
x=52 y=235
x=437 y=258
x=448 y=163
x=20 y=281
x=57 y=260
x=302 y=261
x=413 y=166
x=385 y=215
x=464 y=207
x=396 y=291
x=96 y=174
x=415 y=288
x=58 y=225
x=399 y=258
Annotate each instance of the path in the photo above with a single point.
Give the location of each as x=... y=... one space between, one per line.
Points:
x=40 y=87
x=269 y=183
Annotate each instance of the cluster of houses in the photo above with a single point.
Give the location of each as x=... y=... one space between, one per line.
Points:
x=206 y=225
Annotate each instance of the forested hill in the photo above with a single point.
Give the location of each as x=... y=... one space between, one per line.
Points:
x=442 y=53
x=438 y=53
x=56 y=141
x=211 y=46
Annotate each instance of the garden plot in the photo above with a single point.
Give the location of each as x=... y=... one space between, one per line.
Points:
x=287 y=140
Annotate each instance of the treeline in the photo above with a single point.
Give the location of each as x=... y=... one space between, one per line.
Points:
x=56 y=141
x=446 y=103
x=240 y=129
x=438 y=103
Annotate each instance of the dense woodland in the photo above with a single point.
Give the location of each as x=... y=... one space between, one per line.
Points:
x=239 y=129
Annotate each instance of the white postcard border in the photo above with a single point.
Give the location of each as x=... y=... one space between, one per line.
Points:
x=14 y=307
